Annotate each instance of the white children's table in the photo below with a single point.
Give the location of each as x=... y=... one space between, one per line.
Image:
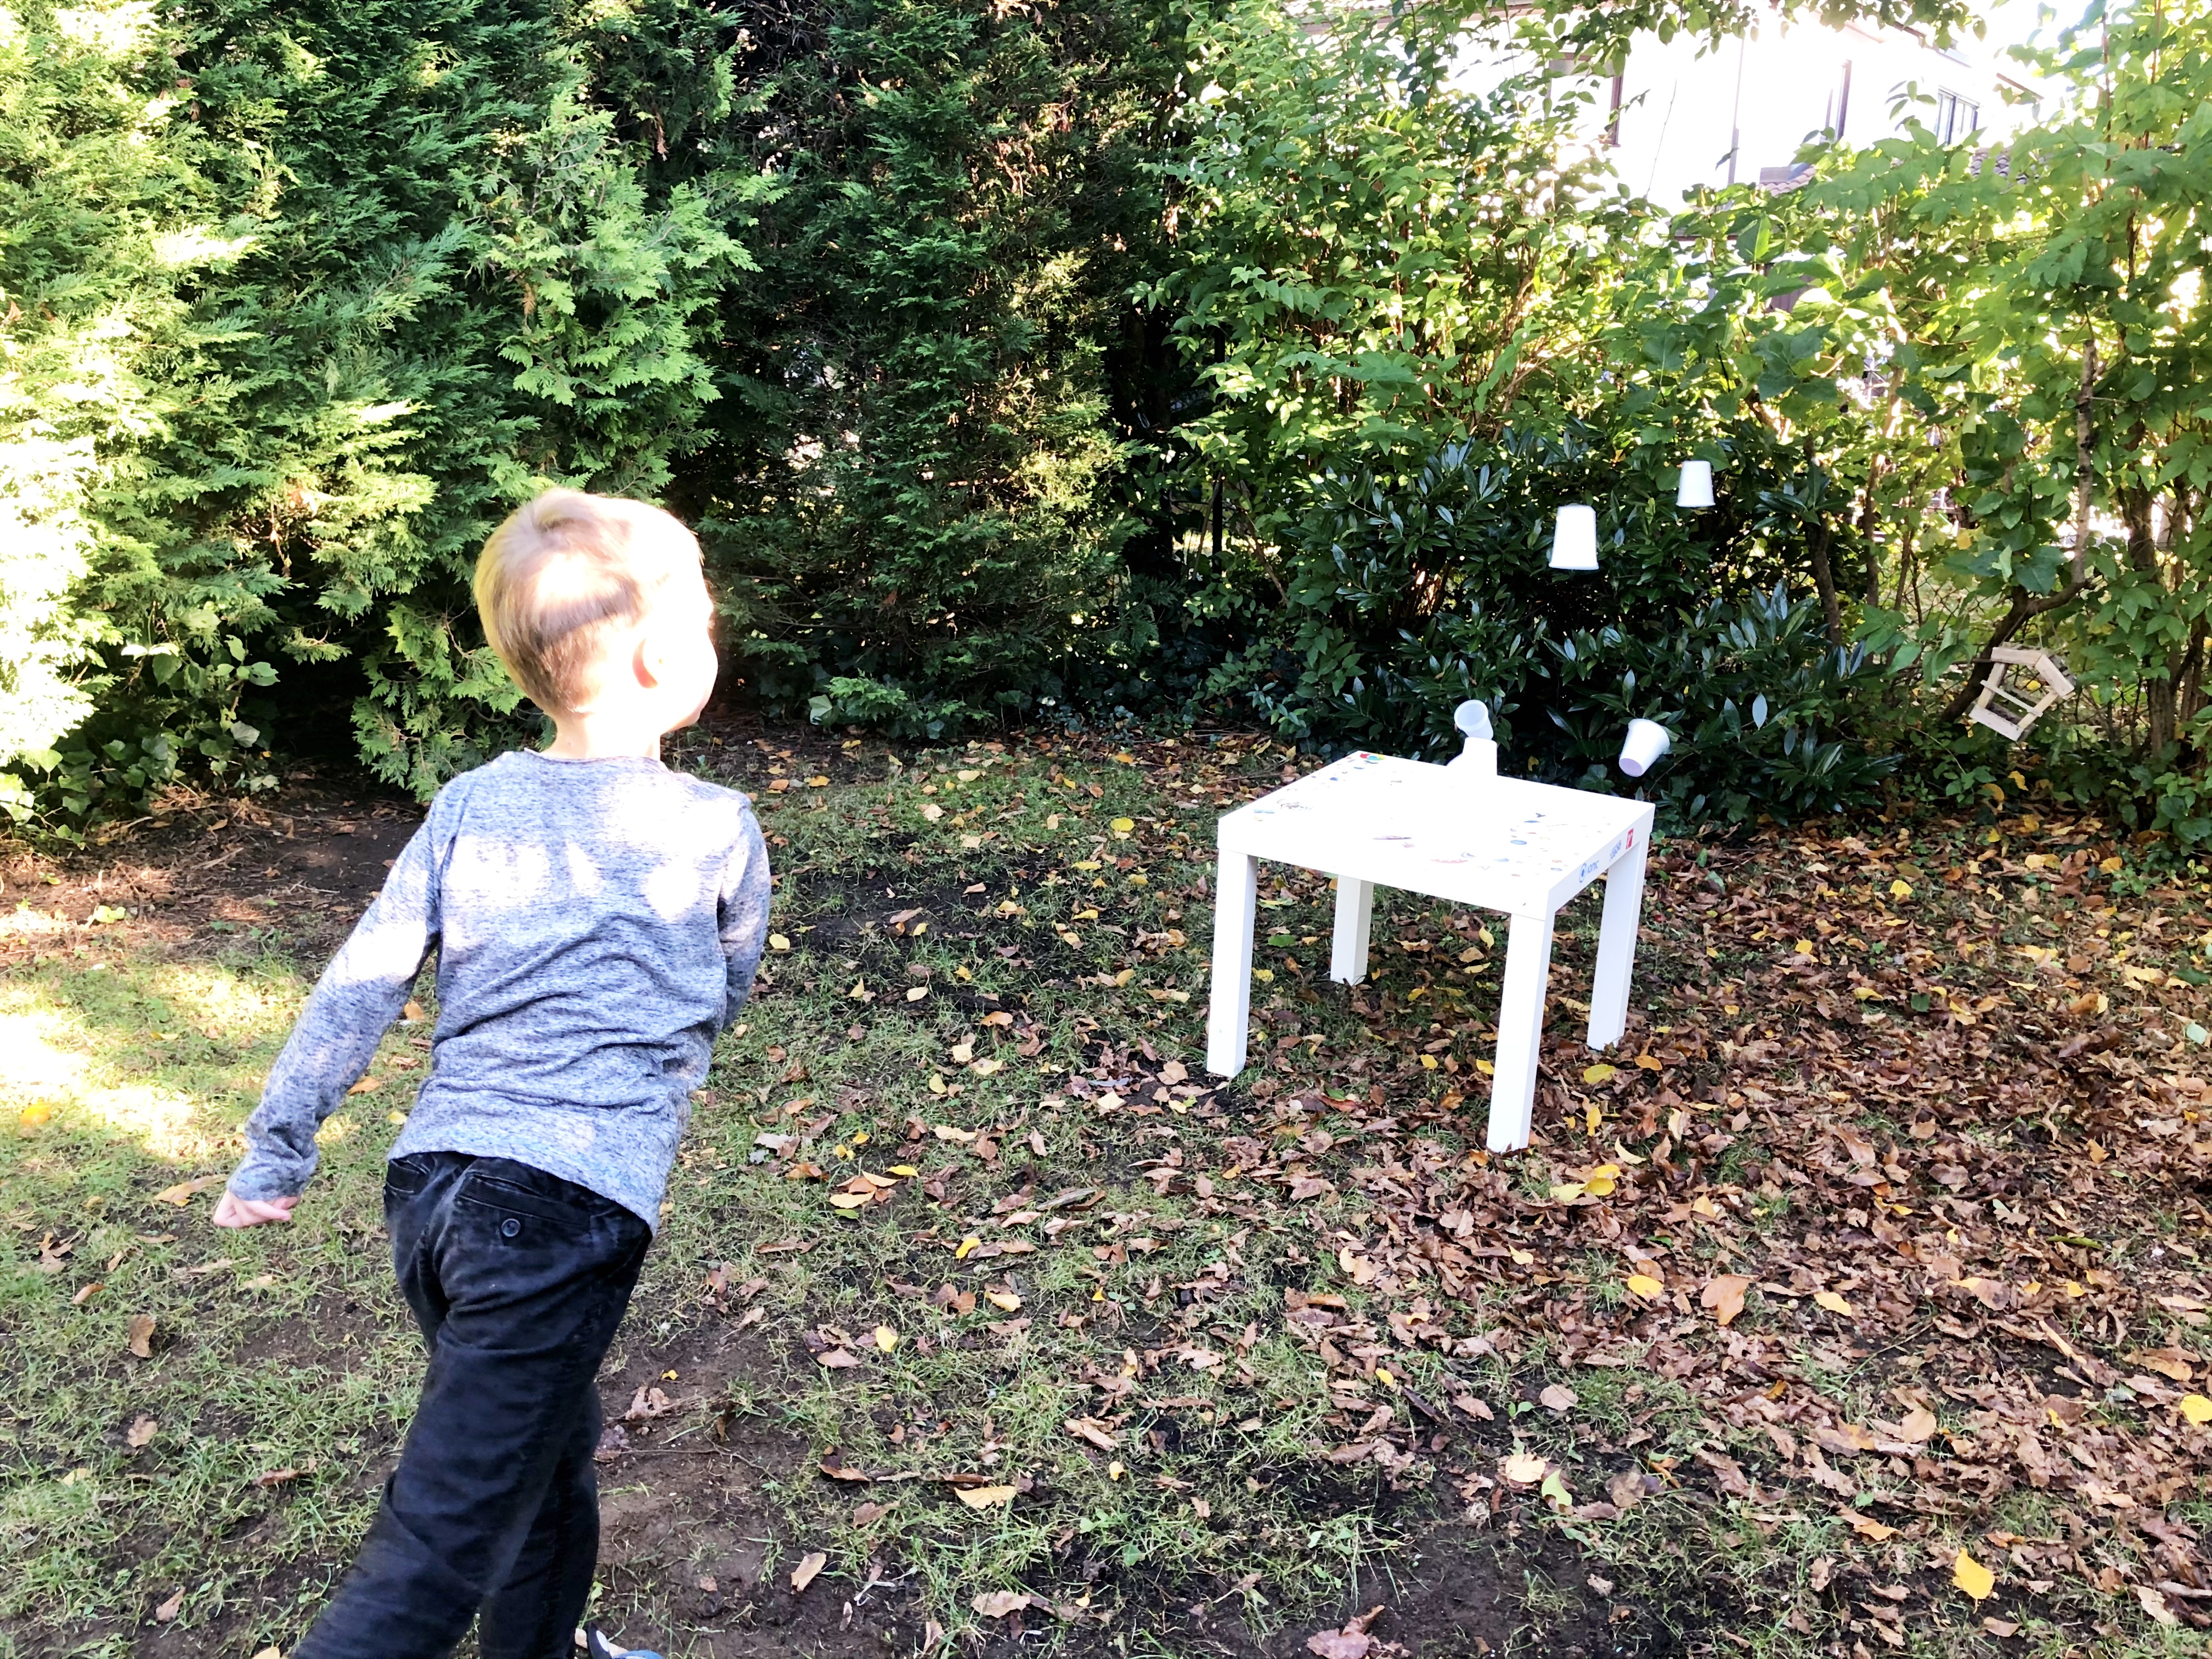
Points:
x=1453 y=833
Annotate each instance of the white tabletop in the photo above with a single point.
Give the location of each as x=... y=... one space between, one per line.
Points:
x=1501 y=843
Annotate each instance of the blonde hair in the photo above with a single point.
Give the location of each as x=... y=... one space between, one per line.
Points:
x=564 y=572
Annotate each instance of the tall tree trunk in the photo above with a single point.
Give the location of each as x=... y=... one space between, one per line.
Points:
x=2161 y=694
x=1816 y=550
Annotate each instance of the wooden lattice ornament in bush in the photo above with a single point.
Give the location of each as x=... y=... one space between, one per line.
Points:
x=2021 y=684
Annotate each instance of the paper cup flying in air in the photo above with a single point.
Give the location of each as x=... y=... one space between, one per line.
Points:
x=1646 y=741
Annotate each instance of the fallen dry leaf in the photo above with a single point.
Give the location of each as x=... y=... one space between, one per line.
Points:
x=1090 y=1428
x=2174 y=1363
x=997 y=1604
x=2154 y=1604
x=984 y=1497
x=1644 y=1285
x=141 y=1333
x=1523 y=1469
x=1558 y=1399
x=2195 y=1408
x=181 y=1194
x=167 y=1613
x=141 y=1432
x=809 y=1564
x=1722 y=1296
x=1971 y=1576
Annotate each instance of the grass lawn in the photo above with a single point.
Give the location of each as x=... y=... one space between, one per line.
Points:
x=1854 y=1306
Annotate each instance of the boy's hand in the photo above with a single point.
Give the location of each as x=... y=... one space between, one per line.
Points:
x=231 y=1211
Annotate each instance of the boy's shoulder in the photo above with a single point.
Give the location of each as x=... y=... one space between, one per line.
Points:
x=525 y=781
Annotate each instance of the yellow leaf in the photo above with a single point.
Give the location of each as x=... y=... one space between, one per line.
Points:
x=1833 y=1302
x=413 y=1010
x=1566 y=1192
x=367 y=1085
x=1600 y=1184
x=932 y=810
x=1428 y=1062
x=1115 y=1471
x=1004 y=1301
x=778 y=942
x=967 y=1245
x=817 y=783
x=1971 y=1576
x=984 y=1497
x=1599 y=1072
x=1900 y=889
x=886 y=1338
x=916 y=993
x=849 y=1200
x=985 y=1067
x=1803 y=947
x=906 y=1169
x=1644 y=1285
x=34 y=1113
x=1652 y=1062
x=860 y=993
x=2196 y=1408
x=2111 y=866
x=1122 y=826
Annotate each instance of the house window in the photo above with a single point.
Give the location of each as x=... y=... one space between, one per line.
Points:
x=1955 y=117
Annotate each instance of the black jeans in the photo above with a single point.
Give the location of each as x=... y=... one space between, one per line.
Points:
x=517 y=1279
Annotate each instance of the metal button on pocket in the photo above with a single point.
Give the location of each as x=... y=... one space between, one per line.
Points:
x=510 y=1228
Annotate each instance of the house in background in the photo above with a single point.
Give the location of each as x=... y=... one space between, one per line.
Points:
x=1676 y=119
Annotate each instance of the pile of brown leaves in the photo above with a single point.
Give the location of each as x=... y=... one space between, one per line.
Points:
x=1941 y=1135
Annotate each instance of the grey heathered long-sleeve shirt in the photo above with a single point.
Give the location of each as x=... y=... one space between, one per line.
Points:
x=596 y=924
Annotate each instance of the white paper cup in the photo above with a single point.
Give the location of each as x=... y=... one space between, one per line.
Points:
x=1646 y=741
x=1574 y=541
x=1472 y=718
x=1696 y=488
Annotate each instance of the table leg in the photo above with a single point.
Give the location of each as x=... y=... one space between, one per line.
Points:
x=1228 y=993
x=1616 y=946
x=1347 y=952
x=1519 y=1032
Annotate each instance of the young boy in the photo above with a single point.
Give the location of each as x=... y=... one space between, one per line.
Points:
x=597 y=920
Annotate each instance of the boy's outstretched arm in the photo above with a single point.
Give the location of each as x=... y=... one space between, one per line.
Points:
x=355 y=1002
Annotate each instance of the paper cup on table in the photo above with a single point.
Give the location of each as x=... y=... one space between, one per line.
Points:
x=1696 y=488
x=1646 y=742
x=1574 y=540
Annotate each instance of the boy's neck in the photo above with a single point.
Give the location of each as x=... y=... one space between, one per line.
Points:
x=586 y=738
